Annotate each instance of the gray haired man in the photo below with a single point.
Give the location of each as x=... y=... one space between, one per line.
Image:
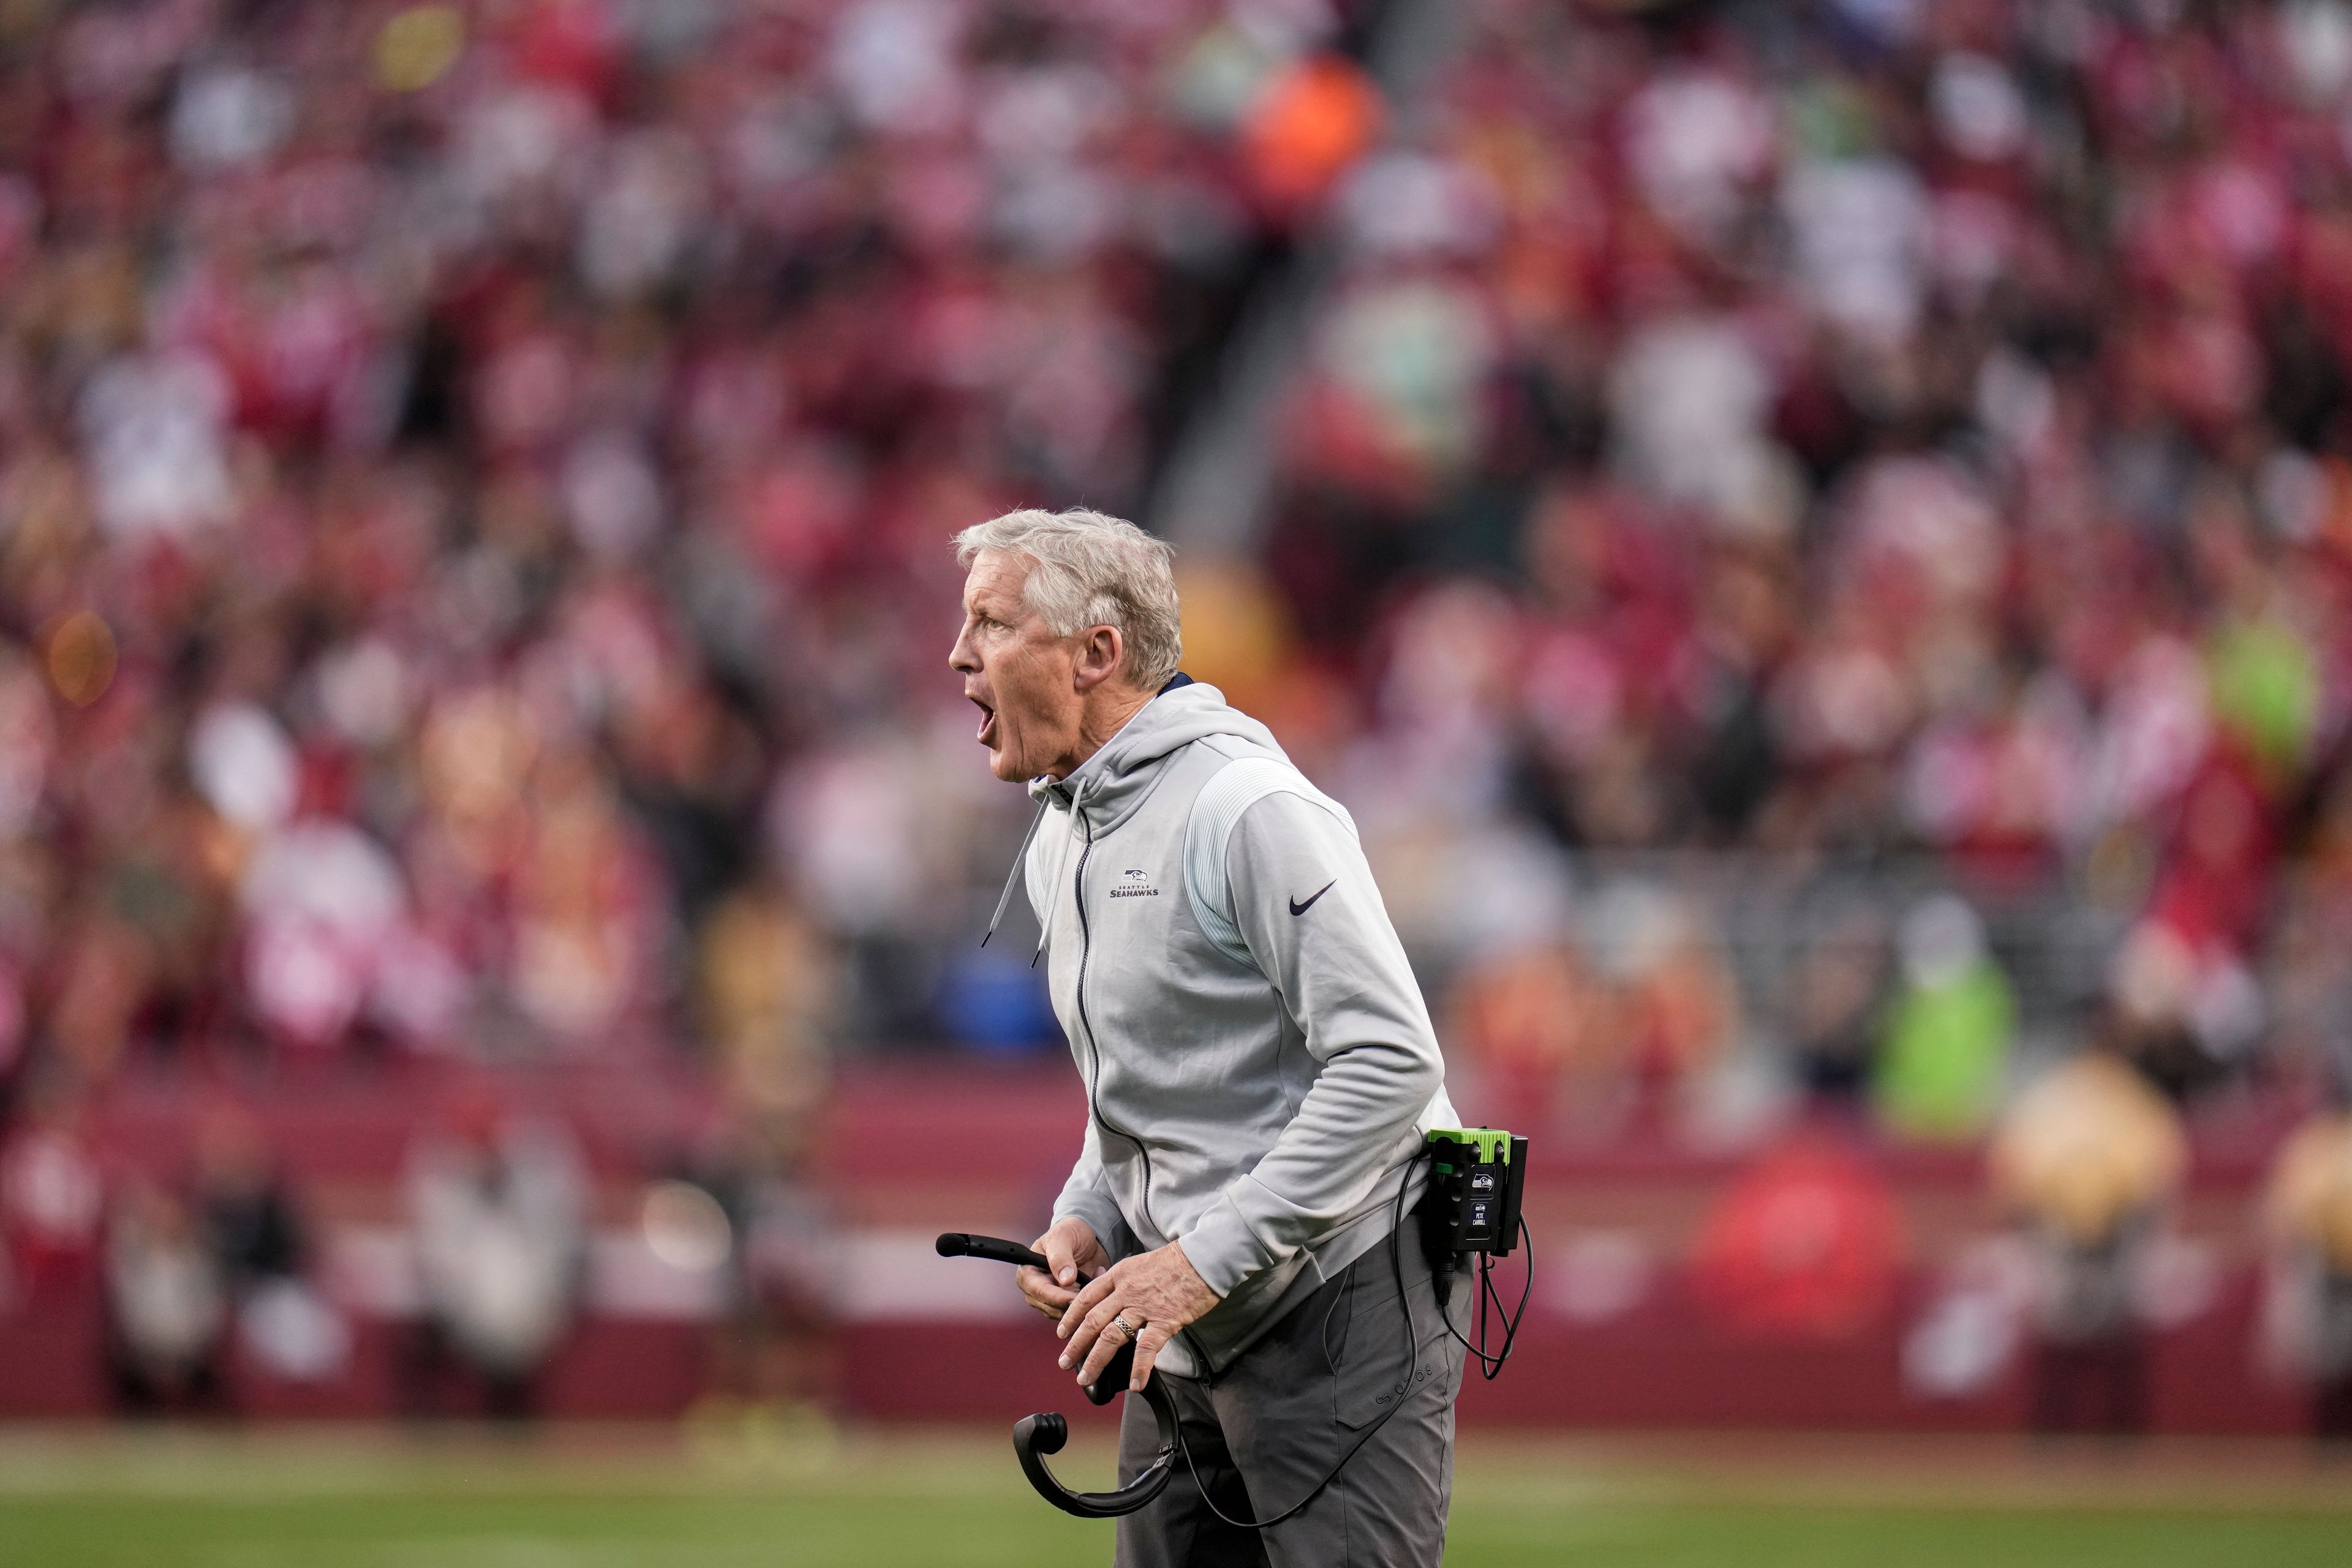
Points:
x=1259 y=1067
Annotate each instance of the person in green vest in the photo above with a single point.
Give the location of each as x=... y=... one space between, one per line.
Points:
x=1946 y=1035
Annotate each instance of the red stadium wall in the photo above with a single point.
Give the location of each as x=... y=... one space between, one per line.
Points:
x=963 y=1148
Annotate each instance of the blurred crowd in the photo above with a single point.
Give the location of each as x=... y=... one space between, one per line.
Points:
x=1815 y=540
x=474 y=480
x=1845 y=433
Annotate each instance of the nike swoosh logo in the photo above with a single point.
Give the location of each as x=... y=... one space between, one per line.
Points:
x=1298 y=909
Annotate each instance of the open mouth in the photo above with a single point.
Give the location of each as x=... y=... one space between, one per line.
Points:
x=987 y=736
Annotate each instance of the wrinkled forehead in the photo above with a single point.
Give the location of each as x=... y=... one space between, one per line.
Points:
x=995 y=582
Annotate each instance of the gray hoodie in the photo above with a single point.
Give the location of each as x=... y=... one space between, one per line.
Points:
x=1259 y=1064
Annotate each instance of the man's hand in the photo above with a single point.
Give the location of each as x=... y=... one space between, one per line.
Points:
x=1148 y=1298
x=1074 y=1254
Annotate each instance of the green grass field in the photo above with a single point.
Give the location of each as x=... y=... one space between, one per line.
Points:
x=333 y=1498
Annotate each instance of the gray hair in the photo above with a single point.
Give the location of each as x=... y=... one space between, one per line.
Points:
x=1089 y=570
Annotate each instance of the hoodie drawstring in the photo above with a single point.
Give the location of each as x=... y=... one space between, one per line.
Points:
x=1021 y=861
x=1077 y=803
x=1012 y=877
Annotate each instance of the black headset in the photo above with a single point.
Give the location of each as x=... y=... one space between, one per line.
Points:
x=1035 y=1436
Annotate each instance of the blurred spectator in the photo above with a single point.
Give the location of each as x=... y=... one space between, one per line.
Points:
x=52 y=1197
x=1308 y=124
x=1947 y=1033
x=247 y=1210
x=259 y=1239
x=498 y=1203
x=1837 y=991
x=1678 y=1011
x=1615 y=1027
x=1537 y=1026
x=167 y=1301
x=773 y=1348
x=2309 y=1211
x=2086 y=1157
x=767 y=992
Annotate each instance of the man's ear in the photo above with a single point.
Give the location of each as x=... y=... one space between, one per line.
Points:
x=1099 y=649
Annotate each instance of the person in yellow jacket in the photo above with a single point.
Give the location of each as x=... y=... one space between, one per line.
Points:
x=2309 y=1211
x=2086 y=1157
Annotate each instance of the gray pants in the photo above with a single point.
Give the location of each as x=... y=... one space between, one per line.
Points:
x=1264 y=1430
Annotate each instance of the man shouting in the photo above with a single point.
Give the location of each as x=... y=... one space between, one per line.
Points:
x=1259 y=1068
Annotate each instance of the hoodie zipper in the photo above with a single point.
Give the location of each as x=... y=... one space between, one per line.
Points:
x=1094 y=1052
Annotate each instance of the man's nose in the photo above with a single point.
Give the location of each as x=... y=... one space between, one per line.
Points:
x=960 y=658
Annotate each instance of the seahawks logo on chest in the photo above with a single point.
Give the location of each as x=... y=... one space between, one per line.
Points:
x=1133 y=883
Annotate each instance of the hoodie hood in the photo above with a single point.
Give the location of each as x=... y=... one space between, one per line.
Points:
x=1113 y=782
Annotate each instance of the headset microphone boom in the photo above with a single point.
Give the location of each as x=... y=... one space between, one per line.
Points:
x=1035 y=1436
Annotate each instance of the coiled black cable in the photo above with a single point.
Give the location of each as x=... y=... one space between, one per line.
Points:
x=1491 y=1366
x=1412 y=1373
